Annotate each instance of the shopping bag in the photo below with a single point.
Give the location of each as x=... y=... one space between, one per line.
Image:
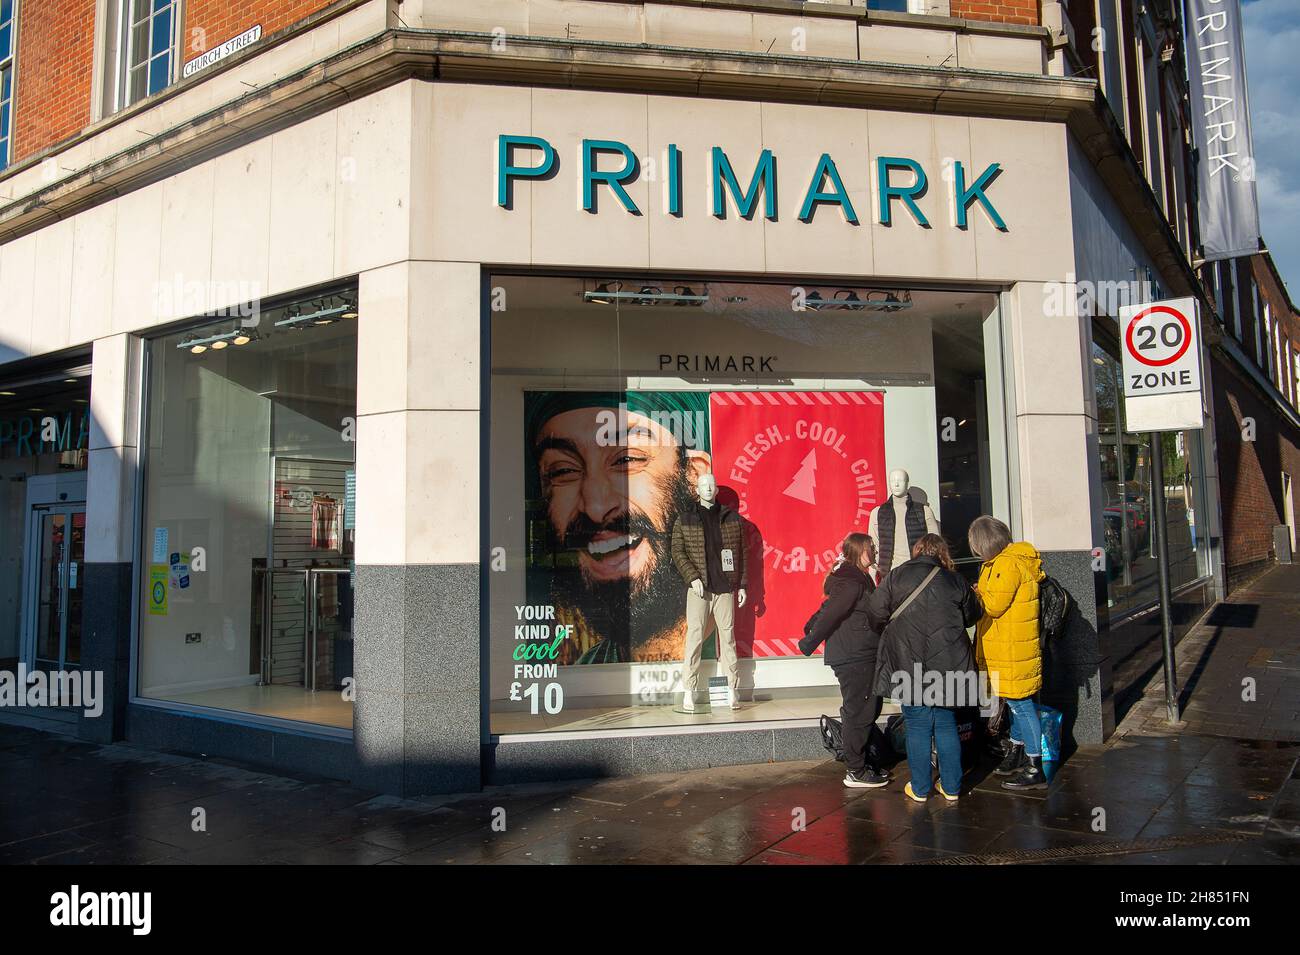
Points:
x=1051 y=741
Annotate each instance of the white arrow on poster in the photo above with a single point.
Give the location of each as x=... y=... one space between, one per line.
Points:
x=1161 y=342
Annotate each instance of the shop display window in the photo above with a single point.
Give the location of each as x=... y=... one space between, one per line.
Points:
x=611 y=397
x=1132 y=577
x=246 y=552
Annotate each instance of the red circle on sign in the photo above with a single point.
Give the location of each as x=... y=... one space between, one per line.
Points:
x=1187 y=335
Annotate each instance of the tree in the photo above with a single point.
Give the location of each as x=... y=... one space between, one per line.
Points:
x=801 y=488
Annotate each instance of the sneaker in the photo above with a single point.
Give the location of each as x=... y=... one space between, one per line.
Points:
x=688 y=702
x=951 y=797
x=911 y=794
x=867 y=778
x=735 y=699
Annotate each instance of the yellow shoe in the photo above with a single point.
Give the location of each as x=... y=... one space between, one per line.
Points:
x=907 y=791
x=951 y=798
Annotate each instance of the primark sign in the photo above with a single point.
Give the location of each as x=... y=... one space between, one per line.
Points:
x=902 y=186
x=1216 y=73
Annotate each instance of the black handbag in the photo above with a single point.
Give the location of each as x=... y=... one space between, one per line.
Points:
x=833 y=736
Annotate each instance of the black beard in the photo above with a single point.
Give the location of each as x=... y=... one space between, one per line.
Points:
x=626 y=612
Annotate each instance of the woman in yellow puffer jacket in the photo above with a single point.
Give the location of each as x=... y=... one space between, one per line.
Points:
x=1007 y=643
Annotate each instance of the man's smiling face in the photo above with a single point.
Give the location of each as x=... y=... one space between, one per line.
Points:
x=613 y=503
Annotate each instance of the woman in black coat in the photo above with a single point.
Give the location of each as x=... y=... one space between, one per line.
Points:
x=925 y=661
x=851 y=643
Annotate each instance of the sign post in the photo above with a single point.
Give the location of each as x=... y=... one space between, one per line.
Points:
x=1162 y=392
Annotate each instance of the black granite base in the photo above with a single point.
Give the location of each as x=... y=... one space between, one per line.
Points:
x=106 y=645
x=1073 y=680
x=417 y=668
x=275 y=749
x=543 y=759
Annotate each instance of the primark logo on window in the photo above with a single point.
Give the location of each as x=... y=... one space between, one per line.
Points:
x=76 y=908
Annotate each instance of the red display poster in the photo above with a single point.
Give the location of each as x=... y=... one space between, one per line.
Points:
x=804 y=469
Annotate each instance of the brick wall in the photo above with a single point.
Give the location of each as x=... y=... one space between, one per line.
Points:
x=56 y=54
x=1250 y=472
x=210 y=23
x=1000 y=11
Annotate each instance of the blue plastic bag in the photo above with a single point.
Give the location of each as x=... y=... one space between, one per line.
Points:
x=1051 y=741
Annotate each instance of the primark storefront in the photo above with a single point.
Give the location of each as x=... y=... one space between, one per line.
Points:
x=400 y=510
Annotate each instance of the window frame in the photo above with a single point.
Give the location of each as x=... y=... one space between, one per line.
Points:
x=122 y=65
x=9 y=65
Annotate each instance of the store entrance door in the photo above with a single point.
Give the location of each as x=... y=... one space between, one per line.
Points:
x=56 y=541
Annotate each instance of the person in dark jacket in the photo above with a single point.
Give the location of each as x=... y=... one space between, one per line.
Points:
x=842 y=625
x=925 y=661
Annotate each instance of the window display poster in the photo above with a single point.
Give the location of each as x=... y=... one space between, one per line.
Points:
x=804 y=469
x=158 y=574
x=609 y=472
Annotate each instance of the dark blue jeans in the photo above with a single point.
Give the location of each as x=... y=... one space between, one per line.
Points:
x=924 y=723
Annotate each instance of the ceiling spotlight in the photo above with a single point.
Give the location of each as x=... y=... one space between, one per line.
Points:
x=813 y=300
x=7 y=394
x=219 y=344
x=321 y=316
x=197 y=349
x=604 y=294
x=241 y=338
x=850 y=300
x=889 y=301
x=350 y=314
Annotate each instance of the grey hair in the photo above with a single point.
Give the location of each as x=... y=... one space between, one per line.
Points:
x=988 y=537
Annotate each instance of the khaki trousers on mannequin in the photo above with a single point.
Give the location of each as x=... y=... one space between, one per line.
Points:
x=722 y=608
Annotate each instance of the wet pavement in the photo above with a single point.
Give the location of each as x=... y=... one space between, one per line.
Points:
x=1197 y=793
x=1139 y=799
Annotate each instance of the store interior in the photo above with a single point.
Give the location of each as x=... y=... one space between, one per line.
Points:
x=248 y=539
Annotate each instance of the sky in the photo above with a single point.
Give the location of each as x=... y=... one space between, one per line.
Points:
x=1273 y=74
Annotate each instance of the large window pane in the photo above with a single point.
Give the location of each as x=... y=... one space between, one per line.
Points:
x=1132 y=571
x=611 y=397
x=248 y=539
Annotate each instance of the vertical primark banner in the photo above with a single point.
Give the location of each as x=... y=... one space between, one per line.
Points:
x=1216 y=73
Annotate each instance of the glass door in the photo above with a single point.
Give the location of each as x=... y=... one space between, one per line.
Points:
x=60 y=549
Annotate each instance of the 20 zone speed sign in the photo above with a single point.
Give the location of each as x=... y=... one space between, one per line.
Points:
x=1161 y=342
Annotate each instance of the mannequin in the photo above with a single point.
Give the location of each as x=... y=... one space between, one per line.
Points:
x=898 y=523
x=708 y=548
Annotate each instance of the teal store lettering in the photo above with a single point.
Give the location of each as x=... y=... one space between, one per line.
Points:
x=609 y=166
x=26 y=436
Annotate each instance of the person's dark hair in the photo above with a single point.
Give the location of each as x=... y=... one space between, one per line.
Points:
x=932 y=545
x=988 y=537
x=851 y=550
